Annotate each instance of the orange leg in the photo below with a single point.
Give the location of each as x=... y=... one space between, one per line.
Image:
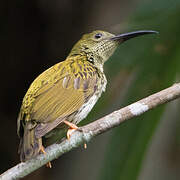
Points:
x=72 y=128
x=44 y=152
x=85 y=146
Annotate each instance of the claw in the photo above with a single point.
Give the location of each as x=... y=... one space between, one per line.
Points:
x=85 y=146
x=72 y=128
x=44 y=152
x=69 y=133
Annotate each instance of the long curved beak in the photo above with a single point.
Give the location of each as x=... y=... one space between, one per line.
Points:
x=125 y=36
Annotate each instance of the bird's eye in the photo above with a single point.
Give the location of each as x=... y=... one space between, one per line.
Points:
x=98 y=35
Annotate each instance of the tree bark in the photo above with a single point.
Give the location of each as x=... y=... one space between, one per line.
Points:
x=87 y=132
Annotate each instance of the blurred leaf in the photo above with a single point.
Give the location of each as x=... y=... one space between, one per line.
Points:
x=155 y=61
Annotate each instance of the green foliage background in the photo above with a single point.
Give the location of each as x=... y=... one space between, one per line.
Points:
x=150 y=63
x=34 y=34
x=156 y=62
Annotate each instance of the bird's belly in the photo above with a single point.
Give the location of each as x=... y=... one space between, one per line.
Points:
x=87 y=107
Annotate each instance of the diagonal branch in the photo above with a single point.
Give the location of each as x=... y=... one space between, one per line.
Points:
x=89 y=131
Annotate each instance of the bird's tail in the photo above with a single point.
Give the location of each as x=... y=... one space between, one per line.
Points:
x=29 y=145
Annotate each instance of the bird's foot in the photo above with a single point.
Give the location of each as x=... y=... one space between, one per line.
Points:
x=73 y=128
x=44 y=152
x=85 y=146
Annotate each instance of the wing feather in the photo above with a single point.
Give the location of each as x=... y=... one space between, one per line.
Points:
x=54 y=102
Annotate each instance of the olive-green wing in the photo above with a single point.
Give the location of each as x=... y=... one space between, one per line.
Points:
x=55 y=102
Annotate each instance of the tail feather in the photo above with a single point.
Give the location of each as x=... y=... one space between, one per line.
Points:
x=29 y=145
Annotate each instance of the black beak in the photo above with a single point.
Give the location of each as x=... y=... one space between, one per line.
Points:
x=126 y=36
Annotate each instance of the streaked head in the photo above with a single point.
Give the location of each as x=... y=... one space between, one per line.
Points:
x=100 y=45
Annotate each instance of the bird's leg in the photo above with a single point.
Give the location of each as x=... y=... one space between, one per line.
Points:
x=72 y=128
x=44 y=152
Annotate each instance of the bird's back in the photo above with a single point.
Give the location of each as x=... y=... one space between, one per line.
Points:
x=66 y=91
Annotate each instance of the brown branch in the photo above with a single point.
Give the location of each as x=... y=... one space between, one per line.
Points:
x=91 y=130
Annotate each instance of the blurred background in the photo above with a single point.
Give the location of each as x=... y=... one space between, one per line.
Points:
x=37 y=34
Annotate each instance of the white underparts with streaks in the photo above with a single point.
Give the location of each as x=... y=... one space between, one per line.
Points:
x=87 y=107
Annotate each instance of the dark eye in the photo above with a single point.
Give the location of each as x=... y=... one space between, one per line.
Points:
x=98 y=35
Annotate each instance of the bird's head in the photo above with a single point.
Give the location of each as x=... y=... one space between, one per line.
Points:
x=99 y=45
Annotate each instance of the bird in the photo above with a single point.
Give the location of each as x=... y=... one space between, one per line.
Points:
x=63 y=95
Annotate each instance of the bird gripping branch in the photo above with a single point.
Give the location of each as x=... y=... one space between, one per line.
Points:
x=64 y=94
